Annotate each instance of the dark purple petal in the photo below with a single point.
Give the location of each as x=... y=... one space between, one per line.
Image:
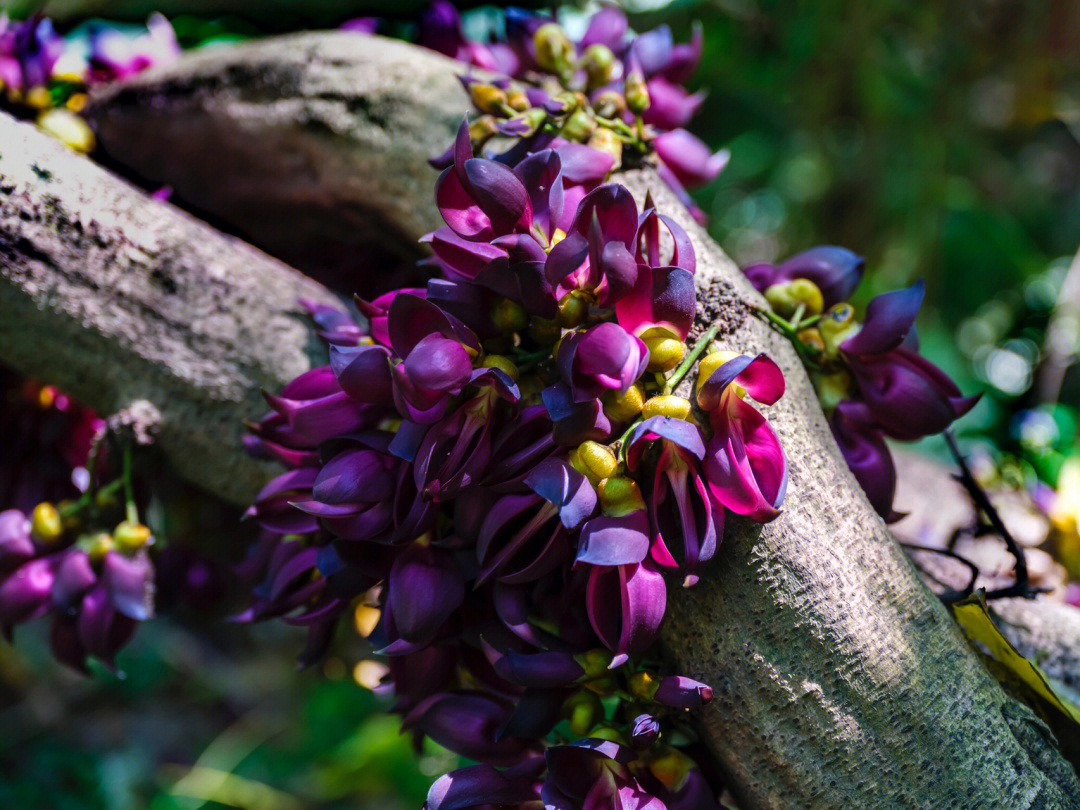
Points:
x=461 y=258
x=662 y=297
x=74 y=577
x=426 y=586
x=889 y=318
x=363 y=372
x=543 y=669
x=353 y=477
x=615 y=540
x=566 y=257
x=557 y=482
x=541 y=175
x=438 y=364
x=478 y=786
x=680 y=692
x=866 y=454
x=499 y=193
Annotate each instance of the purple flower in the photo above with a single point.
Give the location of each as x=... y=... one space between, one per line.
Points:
x=626 y=606
x=597 y=255
x=835 y=270
x=744 y=462
x=661 y=304
x=16 y=547
x=688 y=158
x=336 y=326
x=684 y=515
x=594 y=774
x=908 y=396
x=644 y=731
x=377 y=311
x=115 y=56
x=351 y=494
x=27 y=592
x=680 y=692
x=28 y=52
x=468 y=724
x=440 y=30
x=670 y=105
x=479 y=787
x=425 y=588
x=866 y=454
x=604 y=357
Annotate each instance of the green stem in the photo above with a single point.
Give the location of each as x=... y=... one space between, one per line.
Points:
x=87 y=499
x=688 y=362
x=129 y=487
x=797 y=317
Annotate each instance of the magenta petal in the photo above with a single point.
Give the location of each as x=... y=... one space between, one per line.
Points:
x=760 y=376
x=670 y=105
x=541 y=174
x=626 y=606
x=130 y=584
x=499 y=193
x=461 y=258
x=662 y=297
x=745 y=465
x=74 y=577
x=889 y=318
x=459 y=210
x=566 y=257
x=583 y=165
x=614 y=209
x=606 y=27
x=688 y=158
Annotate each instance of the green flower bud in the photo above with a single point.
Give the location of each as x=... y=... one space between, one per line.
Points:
x=579 y=126
x=504 y=364
x=599 y=63
x=554 y=50
x=595 y=461
x=583 y=709
x=131 y=537
x=622 y=406
x=832 y=389
x=642 y=685
x=667 y=405
x=573 y=309
x=509 y=316
x=636 y=93
x=544 y=332
x=671 y=769
x=836 y=326
x=620 y=496
x=610 y=104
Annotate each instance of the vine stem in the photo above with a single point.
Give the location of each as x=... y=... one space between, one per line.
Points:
x=688 y=362
x=129 y=487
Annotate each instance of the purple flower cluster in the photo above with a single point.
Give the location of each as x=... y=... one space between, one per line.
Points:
x=620 y=93
x=97 y=587
x=870 y=377
x=28 y=52
x=493 y=473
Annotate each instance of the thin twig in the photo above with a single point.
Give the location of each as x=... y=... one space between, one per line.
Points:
x=951 y=595
x=1022 y=586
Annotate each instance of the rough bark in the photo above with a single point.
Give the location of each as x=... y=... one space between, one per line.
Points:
x=117 y=297
x=839 y=680
x=313 y=147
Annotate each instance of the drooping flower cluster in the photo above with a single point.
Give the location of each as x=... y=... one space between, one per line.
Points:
x=870 y=377
x=494 y=473
x=620 y=93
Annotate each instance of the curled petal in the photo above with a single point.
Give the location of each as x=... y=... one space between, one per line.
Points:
x=677 y=431
x=662 y=297
x=438 y=364
x=650 y=243
x=866 y=454
x=626 y=607
x=557 y=482
x=621 y=540
x=363 y=372
x=836 y=271
x=688 y=158
x=542 y=669
x=889 y=318
x=760 y=376
x=670 y=105
x=130 y=584
x=681 y=692
x=744 y=463
x=462 y=258
x=478 y=786
x=426 y=586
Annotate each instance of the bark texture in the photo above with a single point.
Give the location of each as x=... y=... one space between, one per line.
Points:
x=116 y=297
x=313 y=147
x=840 y=681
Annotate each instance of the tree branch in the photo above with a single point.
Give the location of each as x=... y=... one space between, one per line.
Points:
x=839 y=679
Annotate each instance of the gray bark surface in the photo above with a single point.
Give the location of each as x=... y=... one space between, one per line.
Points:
x=840 y=681
x=116 y=297
x=313 y=147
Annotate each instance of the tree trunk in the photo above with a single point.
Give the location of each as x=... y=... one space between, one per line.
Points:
x=314 y=147
x=116 y=297
x=840 y=681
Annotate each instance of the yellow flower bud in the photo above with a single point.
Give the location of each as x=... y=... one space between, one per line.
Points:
x=68 y=128
x=836 y=326
x=620 y=496
x=832 y=389
x=812 y=338
x=482 y=130
x=595 y=461
x=503 y=364
x=516 y=99
x=38 y=97
x=809 y=295
x=604 y=140
x=642 y=685
x=667 y=405
x=77 y=102
x=487 y=97
x=97 y=545
x=665 y=350
x=573 y=309
x=131 y=537
x=710 y=363
x=610 y=104
x=622 y=406
x=46 y=525
x=671 y=768
x=509 y=316
x=554 y=50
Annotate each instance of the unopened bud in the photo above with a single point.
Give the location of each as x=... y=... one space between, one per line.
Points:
x=665 y=350
x=620 y=496
x=594 y=662
x=579 y=126
x=671 y=769
x=785 y=298
x=487 y=97
x=812 y=338
x=608 y=733
x=836 y=326
x=516 y=99
x=68 y=128
x=482 y=130
x=554 y=50
x=642 y=685
x=509 y=316
x=525 y=124
x=709 y=365
x=38 y=97
x=583 y=708
x=636 y=93
x=610 y=104
x=604 y=140
x=46 y=525
x=622 y=406
x=503 y=364
x=599 y=64
x=667 y=405
x=544 y=331
x=131 y=537
x=832 y=389
x=573 y=309
x=595 y=461
x=97 y=545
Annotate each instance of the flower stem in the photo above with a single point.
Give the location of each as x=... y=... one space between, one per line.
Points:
x=129 y=487
x=688 y=362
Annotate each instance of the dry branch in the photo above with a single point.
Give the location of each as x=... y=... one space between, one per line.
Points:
x=840 y=681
